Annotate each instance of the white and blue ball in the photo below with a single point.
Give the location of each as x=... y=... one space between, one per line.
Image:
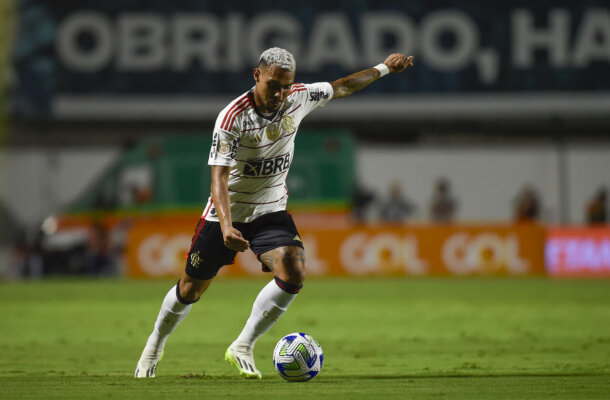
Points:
x=297 y=357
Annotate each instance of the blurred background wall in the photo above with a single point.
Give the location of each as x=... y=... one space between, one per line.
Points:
x=506 y=100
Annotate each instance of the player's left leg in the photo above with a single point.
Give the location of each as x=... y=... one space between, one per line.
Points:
x=288 y=266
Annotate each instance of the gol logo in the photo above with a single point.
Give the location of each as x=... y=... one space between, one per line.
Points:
x=361 y=254
x=486 y=252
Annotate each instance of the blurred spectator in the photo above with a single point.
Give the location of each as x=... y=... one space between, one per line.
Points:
x=396 y=208
x=98 y=259
x=25 y=259
x=442 y=205
x=362 y=199
x=597 y=209
x=527 y=205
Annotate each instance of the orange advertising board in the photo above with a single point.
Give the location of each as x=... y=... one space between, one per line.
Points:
x=427 y=250
x=156 y=247
x=578 y=252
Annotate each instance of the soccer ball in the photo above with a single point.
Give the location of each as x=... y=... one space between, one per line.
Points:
x=297 y=357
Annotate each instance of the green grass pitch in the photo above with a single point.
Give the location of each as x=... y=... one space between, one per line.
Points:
x=382 y=338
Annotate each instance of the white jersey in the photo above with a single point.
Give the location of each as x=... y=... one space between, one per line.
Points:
x=260 y=149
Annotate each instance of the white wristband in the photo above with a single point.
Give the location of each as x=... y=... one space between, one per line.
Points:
x=383 y=69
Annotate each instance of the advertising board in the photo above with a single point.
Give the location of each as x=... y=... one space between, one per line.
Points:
x=578 y=252
x=157 y=249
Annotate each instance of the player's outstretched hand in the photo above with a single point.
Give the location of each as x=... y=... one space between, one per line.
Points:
x=398 y=62
x=235 y=241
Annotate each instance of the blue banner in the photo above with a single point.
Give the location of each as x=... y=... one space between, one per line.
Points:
x=208 y=48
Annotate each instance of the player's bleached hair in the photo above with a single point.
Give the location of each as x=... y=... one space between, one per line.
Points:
x=280 y=57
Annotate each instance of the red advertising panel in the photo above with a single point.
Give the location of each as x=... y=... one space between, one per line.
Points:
x=578 y=252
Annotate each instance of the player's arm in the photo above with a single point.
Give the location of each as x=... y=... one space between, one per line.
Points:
x=220 y=195
x=351 y=84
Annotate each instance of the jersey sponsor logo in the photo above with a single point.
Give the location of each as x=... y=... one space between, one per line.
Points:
x=318 y=95
x=214 y=145
x=269 y=166
x=234 y=145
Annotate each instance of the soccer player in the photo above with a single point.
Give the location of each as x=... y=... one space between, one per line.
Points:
x=252 y=149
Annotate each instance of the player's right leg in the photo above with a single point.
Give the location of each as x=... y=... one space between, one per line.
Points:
x=205 y=257
x=175 y=307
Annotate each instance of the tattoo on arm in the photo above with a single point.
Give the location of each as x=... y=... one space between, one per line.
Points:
x=350 y=84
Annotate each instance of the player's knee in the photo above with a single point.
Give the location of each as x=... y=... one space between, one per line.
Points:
x=297 y=276
x=190 y=290
x=294 y=265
